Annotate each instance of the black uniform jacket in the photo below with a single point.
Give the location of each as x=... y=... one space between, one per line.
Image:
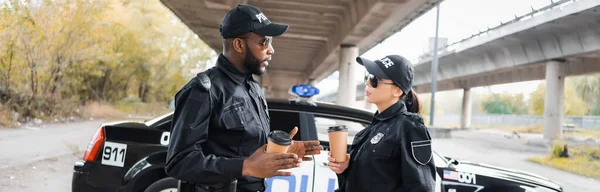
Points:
x=393 y=153
x=220 y=118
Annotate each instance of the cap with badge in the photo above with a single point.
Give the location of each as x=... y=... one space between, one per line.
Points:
x=247 y=18
x=393 y=67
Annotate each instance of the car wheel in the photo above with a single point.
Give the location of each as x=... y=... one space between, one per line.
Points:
x=168 y=184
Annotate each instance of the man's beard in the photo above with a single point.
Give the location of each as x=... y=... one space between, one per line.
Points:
x=252 y=64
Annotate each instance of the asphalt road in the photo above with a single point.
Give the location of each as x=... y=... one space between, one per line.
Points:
x=41 y=158
x=495 y=149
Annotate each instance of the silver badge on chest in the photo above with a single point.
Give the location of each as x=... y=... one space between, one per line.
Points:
x=376 y=138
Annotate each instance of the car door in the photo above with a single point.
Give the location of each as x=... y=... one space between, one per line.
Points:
x=452 y=179
x=303 y=176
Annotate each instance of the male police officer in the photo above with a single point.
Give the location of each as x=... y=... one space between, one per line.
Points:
x=220 y=124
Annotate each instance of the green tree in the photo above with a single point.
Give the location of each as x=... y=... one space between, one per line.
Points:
x=588 y=88
x=497 y=103
x=573 y=105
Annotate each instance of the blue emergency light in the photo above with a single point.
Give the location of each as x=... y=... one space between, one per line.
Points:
x=304 y=90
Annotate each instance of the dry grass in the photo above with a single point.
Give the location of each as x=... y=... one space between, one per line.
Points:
x=578 y=165
x=5 y=117
x=103 y=111
x=125 y=109
x=535 y=128
x=583 y=160
x=143 y=109
x=587 y=133
x=54 y=110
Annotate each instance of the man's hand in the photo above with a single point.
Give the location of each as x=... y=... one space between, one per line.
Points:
x=266 y=165
x=303 y=148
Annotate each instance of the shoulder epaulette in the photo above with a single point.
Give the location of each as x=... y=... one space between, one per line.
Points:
x=204 y=81
x=413 y=116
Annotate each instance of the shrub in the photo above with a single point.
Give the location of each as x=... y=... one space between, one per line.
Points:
x=559 y=150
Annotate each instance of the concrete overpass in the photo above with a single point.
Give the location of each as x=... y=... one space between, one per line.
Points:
x=322 y=33
x=551 y=43
x=567 y=33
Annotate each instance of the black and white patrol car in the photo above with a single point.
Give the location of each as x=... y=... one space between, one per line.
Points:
x=130 y=156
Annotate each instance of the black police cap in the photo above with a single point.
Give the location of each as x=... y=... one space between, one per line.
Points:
x=393 y=67
x=247 y=18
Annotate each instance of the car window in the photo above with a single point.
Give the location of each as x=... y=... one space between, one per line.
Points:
x=285 y=121
x=323 y=123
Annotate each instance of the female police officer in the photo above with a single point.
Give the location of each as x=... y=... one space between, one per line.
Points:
x=393 y=153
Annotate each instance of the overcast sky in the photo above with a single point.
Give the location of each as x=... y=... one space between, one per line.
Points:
x=458 y=19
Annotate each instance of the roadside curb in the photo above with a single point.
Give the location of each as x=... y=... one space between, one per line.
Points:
x=538 y=142
x=440 y=133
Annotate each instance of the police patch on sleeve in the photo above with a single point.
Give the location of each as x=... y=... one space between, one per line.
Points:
x=421 y=151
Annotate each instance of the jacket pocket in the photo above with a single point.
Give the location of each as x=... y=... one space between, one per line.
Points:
x=383 y=150
x=421 y=151
x=233 y=117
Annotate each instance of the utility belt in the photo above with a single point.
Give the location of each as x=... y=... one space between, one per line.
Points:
x=185 y=186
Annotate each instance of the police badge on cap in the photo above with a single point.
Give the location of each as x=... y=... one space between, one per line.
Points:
x=247 y=18
x=393 y=67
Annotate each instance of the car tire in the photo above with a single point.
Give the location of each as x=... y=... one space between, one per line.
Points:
x=168 y=184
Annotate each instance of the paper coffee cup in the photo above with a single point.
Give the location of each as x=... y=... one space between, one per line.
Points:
x=278 y=142
x=338 y=138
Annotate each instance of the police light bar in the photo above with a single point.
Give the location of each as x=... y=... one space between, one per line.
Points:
x=304 y=90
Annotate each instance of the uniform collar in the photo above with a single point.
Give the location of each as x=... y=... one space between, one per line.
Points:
x=227 y=67
x=391 y=111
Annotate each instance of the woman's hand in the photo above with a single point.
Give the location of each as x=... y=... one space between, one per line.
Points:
x=338 y=167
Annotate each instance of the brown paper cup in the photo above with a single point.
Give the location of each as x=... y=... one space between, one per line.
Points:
x=275 y=148
x=338 y=142
x=278 y=142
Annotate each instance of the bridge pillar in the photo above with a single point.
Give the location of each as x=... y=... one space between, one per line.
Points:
x=465 y=117
x=347 y=81
x=554 y=100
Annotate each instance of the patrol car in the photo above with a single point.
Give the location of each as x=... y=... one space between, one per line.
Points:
x=130 y=155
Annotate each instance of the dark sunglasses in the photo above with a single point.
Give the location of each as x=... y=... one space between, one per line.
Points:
x=375 y=80
x=265 y=44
